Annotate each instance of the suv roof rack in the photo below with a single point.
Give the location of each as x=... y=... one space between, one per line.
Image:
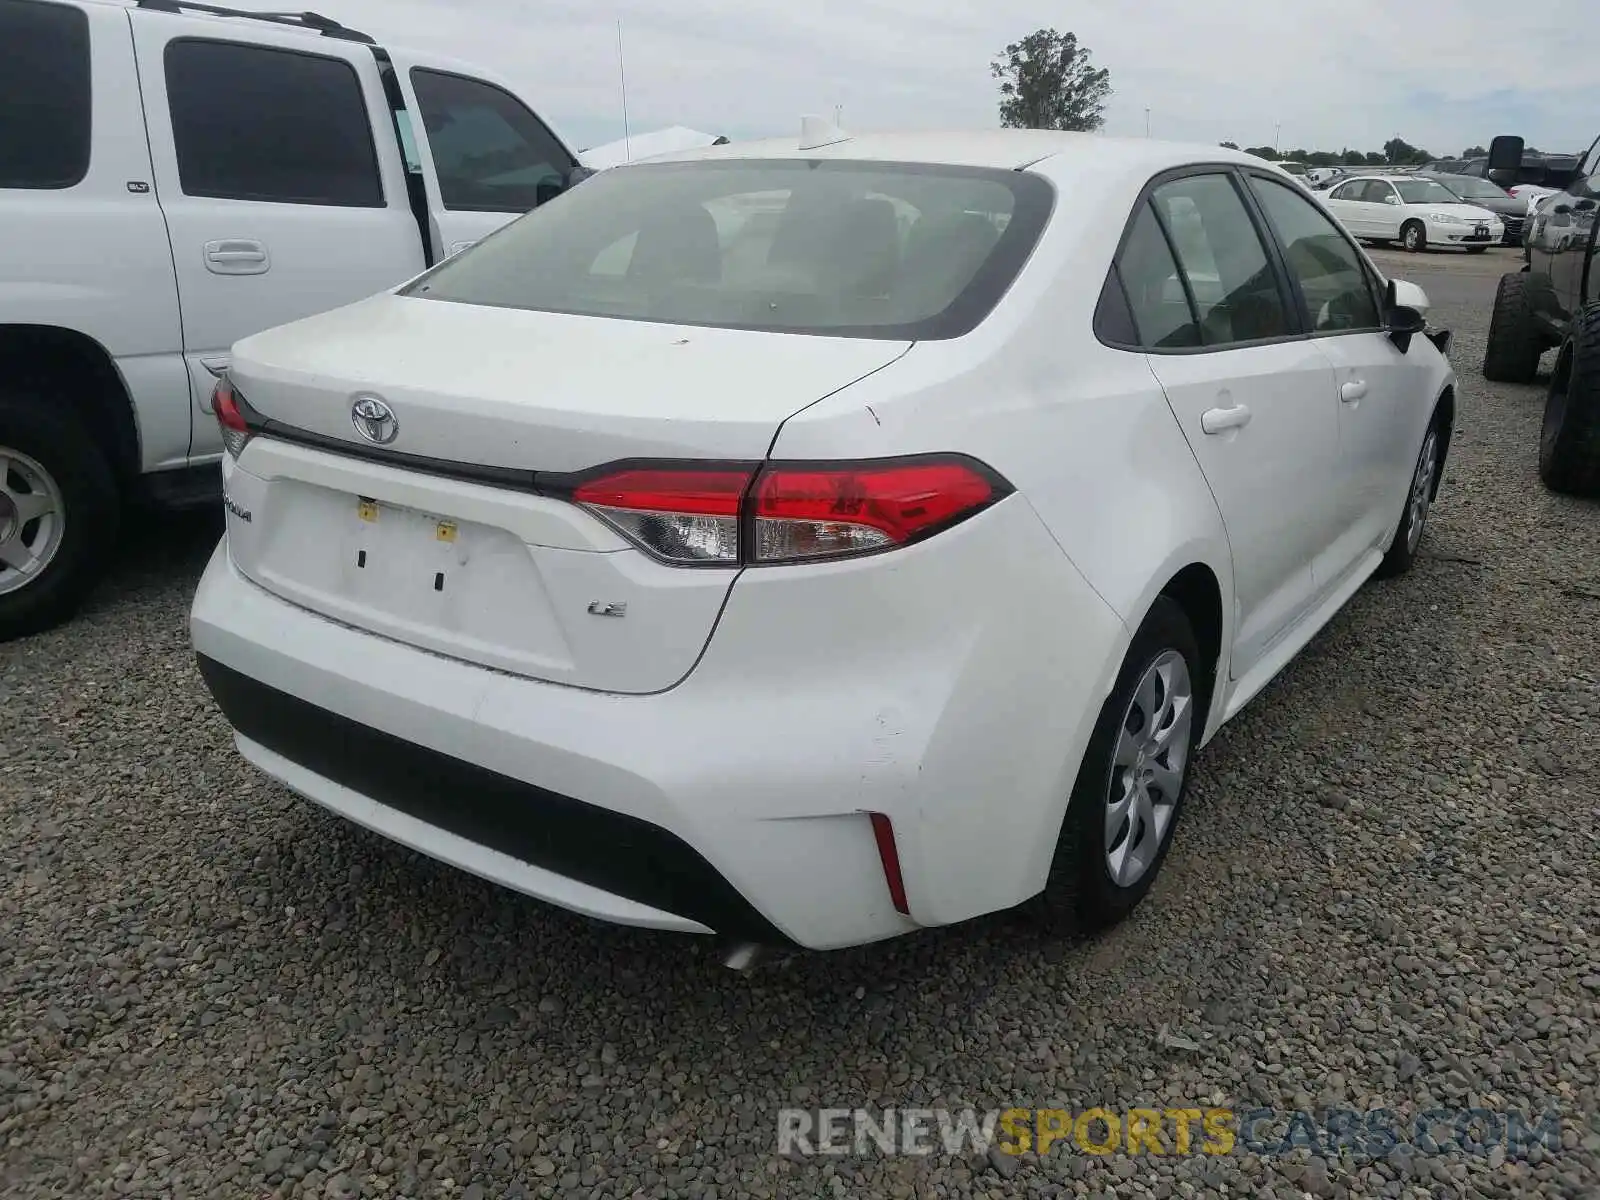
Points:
x=315 y=22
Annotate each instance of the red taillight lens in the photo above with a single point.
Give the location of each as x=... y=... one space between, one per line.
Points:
x=713 y=516
x=235 y=431
x=822 y=511
x=683 y=515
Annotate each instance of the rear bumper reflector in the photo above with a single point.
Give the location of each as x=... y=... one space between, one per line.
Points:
x=883 y=832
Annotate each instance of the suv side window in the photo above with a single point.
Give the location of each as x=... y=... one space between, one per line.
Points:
x=44 y=95
x=490 y=153
x=1231 y=279
x=281 y=126
x=1155 y=293
x=1329 y=270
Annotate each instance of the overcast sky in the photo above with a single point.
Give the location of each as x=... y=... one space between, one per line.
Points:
x=1443 y=74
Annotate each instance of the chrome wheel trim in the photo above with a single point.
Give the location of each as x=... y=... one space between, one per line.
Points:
x=1421 y=490
x=33 y=517
x=1148 y=765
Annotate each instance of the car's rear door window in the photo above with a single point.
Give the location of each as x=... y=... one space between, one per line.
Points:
x=1156 y=293
x=270 y=125
x=44 y=95
x=857 y=249
x=1231 y=279
x=490 y=152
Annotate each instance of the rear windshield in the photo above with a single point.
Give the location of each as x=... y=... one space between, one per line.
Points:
x=855 y=249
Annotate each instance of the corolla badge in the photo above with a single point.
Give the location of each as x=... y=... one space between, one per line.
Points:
x=374 y=420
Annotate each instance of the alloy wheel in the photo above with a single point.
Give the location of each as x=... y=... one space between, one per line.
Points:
x=1152 y=753
x=1422 y=490
x=32 y=519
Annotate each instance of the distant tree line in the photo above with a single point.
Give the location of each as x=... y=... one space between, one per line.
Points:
x=1397 y=152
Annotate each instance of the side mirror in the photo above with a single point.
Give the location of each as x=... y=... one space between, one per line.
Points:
x=1505 y=153
x=1402 y=321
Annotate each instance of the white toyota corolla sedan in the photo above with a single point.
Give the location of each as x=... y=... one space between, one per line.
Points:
x=1413 y=211
x=813 y=544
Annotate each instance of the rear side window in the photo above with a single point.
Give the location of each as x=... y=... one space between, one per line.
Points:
x=44 y=95
x=491 y=154
x=1154 y=289
x=282 y=126
x=1231 y=280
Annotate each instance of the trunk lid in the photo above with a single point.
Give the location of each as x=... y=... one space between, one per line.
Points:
x=495 y=575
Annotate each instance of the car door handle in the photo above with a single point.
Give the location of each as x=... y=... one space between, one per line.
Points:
x=1220 y=420
x=1352 y=391
x=236 y=256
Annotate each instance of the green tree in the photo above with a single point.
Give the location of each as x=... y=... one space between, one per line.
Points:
x=1374 y=159
x=1354 y=158
x=1474 y=152
x=1048 y=81
x=1266 y=152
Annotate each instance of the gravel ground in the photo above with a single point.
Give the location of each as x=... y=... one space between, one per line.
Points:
x=1384 y=893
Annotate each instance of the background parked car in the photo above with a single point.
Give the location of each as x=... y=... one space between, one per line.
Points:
x=1555 y=301
x=298 y=167
x=1512 y=210
x=1415 y=212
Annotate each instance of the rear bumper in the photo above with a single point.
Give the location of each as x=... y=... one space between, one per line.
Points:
x=737 y=801
x=603 y=863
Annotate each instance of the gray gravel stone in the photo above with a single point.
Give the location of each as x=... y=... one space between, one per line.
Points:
x=213 y=988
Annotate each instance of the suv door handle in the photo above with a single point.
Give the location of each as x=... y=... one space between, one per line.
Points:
x=236 y=256
x=1220 y=420
x=1352 y=391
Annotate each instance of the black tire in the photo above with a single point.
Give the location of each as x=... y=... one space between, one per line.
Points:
x=45 y=431
x=1080 y=894
x=1514 y=341
x=1403 y=548
x=1414 y=236
x=1569 y=442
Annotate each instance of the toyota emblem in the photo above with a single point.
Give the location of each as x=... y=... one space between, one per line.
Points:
x=374 y=420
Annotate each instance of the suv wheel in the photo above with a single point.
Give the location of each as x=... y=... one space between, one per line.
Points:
x=58 y=514
x=1514 y=342
x=1569 y=443
x=1130 y=788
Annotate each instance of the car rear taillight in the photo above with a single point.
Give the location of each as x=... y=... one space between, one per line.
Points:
x=685 y=515
x=235 y=431
x=745 y=514
x=824 y=511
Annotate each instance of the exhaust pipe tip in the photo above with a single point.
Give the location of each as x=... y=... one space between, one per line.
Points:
x=741 y=956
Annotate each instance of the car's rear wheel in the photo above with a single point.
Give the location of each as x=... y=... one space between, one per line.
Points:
x=58 y=514
x=1514 y=342
x=1131 y=784
x=1569 y=442
x=1414 y=237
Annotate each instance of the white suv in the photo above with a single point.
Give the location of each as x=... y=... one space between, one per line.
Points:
x=174 y=177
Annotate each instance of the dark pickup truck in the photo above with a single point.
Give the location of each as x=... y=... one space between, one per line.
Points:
x=1555 y=301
